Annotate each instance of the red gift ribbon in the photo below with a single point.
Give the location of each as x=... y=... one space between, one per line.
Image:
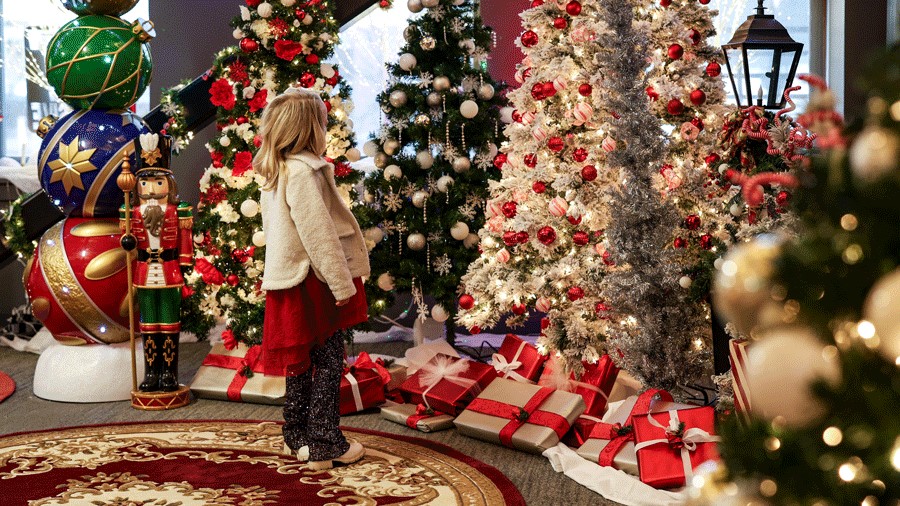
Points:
x=618 y=434
x=520 y=416
x=364 y=361
x=422 y=412
x=249 y=363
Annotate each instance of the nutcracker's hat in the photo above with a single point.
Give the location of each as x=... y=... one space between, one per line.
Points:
x=154 y=155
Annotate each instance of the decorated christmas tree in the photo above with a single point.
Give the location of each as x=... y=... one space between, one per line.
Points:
x=821 y=373
x=434 y=157
x=544 y=246
x=281 y=44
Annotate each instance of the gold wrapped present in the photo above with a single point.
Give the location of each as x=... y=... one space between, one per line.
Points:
x=417 y=417
x=236 y=375
x=527 y=417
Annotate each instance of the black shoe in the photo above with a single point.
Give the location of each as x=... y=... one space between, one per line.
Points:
x=168 y=378
x=151 y=366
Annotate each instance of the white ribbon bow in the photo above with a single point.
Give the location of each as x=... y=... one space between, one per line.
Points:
x=446 y=368
x=691 y=438
x=508 y=369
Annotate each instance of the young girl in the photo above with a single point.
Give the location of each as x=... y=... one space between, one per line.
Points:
x=315 y=259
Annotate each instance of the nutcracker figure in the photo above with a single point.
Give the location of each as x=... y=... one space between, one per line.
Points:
x=161 y=231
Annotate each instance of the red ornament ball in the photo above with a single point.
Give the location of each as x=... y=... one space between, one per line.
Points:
x=654 y=96
x=675 y=107
x=782 y=198
x=529 y=38
x=518 y=309
x=530 y=160
x=500 y=160
x=516 y=116
x=253 y=3
x=581 y=238
x=547 y=235
x=695 y=36
x=536 y=3
x=249 y=45
x=585 y=90
x=560 y=23
x=537 y=92
x=697 y=122
x=233 y=279
x=680 y=242
x=676 y=51
x=580 y=155
x=698 y=97
x=575 y=293
x=307 y=80
x=692 y=222
x=712 y=159
x=601 y=307
x=549 y=89
x=704 y=2
x=713 y=69
x=509 y=209
x=331 y=81
x=665 y=3
x=522 y=237
x=545 y=323
x=607 y=258
x=573 y=8
x=466 y=302
x=556 y=144
x=312 y=59
x=510 y=238
x=706 y=241
x=475 y=330
x=589 y=173
x=539 y=187
x=573 y=220
x=241 y=120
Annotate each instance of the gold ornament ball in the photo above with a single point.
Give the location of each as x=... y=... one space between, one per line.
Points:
x=374 y=234
x=468 y=109
x=459 y=231
x=391 y=146
x=742 y=288
x=425 y=159
x=381 y=160
x=471 y=241
x=353 y=155
x=430 y=3
x=427 y=43
x=882 y=309
x=444 y=183
x=441 y=83
x=407 y=62
x=419 y=199
x=423 y=120
x=781 y=367
x=433 y=99
x=370 y=148
x=392 y=172
x=249 y=208
x=461 y=164
x=875 y=153
x=416 y=241
x=398 y=98
x=486 y=92
x=386 y=282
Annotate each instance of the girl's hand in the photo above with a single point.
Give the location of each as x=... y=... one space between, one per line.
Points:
x=342 y=302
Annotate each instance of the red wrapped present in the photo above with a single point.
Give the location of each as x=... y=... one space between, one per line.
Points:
x=447 y=384
x=738 y=352
x=518 y=360
x=594 y=385
x=519 y=415
x=362 y=386
x=237 y=375
x=671 y=444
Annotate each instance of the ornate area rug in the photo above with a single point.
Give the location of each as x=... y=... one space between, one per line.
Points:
x=7 y=386
x=194 y=463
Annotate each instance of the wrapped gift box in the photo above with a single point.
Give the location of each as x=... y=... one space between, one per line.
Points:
x=447 y=384
x=611 y=442
x=518 y=360
x=738 y=351
x=362 y=386
x=236 y=375
x=671 y=444
x=417 y=417
x=398 y=376
x=594 y=386
x=522 y=416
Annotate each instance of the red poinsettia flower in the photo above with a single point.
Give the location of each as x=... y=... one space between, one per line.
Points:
x=259 y=100
x=213 y=195
x=287 y=49
x=278 y=27
x=238 y=71
x=228 y=339
x=243 y=161
x=216 y=157
x=342 y=170
x=222 y=95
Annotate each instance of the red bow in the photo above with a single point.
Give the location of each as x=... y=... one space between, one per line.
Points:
x=364 y=361
x=422 y=409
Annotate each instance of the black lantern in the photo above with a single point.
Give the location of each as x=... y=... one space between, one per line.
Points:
x=762 y=59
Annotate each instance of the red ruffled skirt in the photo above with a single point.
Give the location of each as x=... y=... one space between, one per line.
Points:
x=301 y=318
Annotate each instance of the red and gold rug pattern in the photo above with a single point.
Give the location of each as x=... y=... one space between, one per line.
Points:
x=194 y=463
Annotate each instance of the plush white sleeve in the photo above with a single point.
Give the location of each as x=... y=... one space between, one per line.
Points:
x=317 y=232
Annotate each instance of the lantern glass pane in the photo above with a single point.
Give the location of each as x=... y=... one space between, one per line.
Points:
x=738 y=74
x=760 y=62
x=784 y=70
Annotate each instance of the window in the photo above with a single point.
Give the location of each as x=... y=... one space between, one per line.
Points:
x=27 y=28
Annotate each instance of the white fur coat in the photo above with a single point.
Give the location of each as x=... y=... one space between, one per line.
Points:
x=307 y=224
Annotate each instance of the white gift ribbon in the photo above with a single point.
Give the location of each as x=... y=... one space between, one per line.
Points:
x=445 y=368
x=508 y=369
x=354 y=386
x=691 y=438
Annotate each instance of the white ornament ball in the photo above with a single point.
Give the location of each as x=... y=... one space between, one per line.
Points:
x=264 y=9
x=468 y=109
x=327 y=71
x=425 y=159
x=781 y=366
x=374 y=234
x=430 y=3
x=407 y=62
x=492 y=150
x=398 y=98
x=420 y=198
x=459 y=231
x=735 y=210
x=416 y=242
x=506 y=115
x=259 y=239
x=391 y=146
x=237 y=34
x=433 y=99
x=882 y=309
x=441 y=83
x=503 y=256
x=685 y=282
x=370 y=148
x=543 y=304
x=386 y=282
x=414 y=6
x=439 y=314
x=742 y=287
x=486 y=92
x=353 y=155
x=874 y=153
x=392 y=172
x=471 y=241
x=225 y=141
x=308 y=20
x=444 y=183
x=461 y=164
x=558 y=206
x=249 y=208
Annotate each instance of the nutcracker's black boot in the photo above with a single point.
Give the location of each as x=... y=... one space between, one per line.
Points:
x=152 y=361
x=168 y=379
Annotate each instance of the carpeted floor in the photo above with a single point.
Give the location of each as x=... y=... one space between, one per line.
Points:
x=531 y=474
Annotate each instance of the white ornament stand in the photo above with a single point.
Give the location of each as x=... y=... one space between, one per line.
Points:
x=92 y=373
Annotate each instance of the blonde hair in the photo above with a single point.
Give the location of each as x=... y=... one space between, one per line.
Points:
x=292 y=123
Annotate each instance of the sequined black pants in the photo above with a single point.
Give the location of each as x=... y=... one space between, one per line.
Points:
x=312 y=404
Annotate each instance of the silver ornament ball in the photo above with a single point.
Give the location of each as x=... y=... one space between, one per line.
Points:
x=461 y=164
x=416 y=242
x=434 y=99
x=397 y=98
x=419 y=199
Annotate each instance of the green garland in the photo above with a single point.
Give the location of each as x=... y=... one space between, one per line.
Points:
x=14 y=237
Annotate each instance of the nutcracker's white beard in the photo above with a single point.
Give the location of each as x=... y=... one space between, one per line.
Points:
x=153 y=219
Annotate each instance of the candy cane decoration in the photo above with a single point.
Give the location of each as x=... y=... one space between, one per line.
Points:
x=752 y=186
x=826 y=122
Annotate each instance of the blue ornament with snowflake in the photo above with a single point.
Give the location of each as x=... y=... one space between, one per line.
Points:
x=81 y=157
